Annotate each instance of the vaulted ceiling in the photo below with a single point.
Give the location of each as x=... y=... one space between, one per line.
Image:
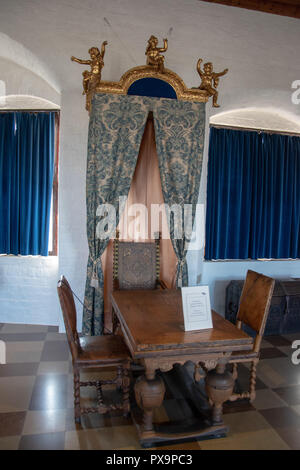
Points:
x=278 y=7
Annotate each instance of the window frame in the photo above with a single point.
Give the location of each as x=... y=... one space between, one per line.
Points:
x=54 y=212
x=54 y=215
x=257 y=130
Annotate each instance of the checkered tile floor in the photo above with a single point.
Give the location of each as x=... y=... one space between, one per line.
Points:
x=36 y=400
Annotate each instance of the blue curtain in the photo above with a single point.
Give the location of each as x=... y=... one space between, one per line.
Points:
x=26 y=178
x=253 y=195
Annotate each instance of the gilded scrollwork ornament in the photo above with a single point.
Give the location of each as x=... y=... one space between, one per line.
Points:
x=210 y=80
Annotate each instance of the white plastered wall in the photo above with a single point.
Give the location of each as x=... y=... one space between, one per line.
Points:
x=259 y=49
x=27 y=283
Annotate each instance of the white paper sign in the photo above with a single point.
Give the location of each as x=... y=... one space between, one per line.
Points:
x=196 y=308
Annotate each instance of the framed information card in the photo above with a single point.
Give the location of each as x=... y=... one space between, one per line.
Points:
x=196 y=308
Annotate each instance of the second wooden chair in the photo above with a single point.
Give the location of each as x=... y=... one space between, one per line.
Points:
x=253 y=311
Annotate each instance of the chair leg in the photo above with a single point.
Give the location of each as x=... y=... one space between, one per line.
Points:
x=126 y=388
x=77 y=396
x=251 y=394
x=253 y=381
x=235 y=371
x=119 y=379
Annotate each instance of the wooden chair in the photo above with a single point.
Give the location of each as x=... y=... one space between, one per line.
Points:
x=136 y=265
x=253 y=312
x=93 y=352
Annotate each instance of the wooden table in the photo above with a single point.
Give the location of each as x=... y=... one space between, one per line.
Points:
x=152 y=325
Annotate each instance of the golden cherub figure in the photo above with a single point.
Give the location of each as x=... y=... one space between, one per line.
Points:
x=153 y=53
x=210 y=79
x=92 y=78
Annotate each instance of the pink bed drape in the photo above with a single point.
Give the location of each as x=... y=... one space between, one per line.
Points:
x=145 y=189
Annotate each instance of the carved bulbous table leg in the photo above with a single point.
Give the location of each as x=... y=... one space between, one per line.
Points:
x=149 y=394
x=219 y=385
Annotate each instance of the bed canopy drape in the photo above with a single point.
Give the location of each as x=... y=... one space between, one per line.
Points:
x=115 y=132
x=136 y=222
x=118 y=115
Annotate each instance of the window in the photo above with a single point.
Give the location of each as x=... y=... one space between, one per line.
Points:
x=253 y=196
x=28 y=182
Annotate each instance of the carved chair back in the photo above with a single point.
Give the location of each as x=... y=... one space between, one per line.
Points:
x=136 y=265
x=255 y=304
x=68 y=308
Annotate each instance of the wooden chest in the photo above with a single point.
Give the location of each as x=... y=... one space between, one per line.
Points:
x=284 y=315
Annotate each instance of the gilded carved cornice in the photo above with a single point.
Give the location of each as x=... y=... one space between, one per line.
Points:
x=146 y=71
x=155 y=68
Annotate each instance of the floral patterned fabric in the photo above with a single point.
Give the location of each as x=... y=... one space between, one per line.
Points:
x=179 y=134
x=115 y=132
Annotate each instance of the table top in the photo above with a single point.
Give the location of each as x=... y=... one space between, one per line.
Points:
x=152 y=320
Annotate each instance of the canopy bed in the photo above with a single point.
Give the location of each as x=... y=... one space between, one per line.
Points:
x=145 y=146
x=146 y=139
